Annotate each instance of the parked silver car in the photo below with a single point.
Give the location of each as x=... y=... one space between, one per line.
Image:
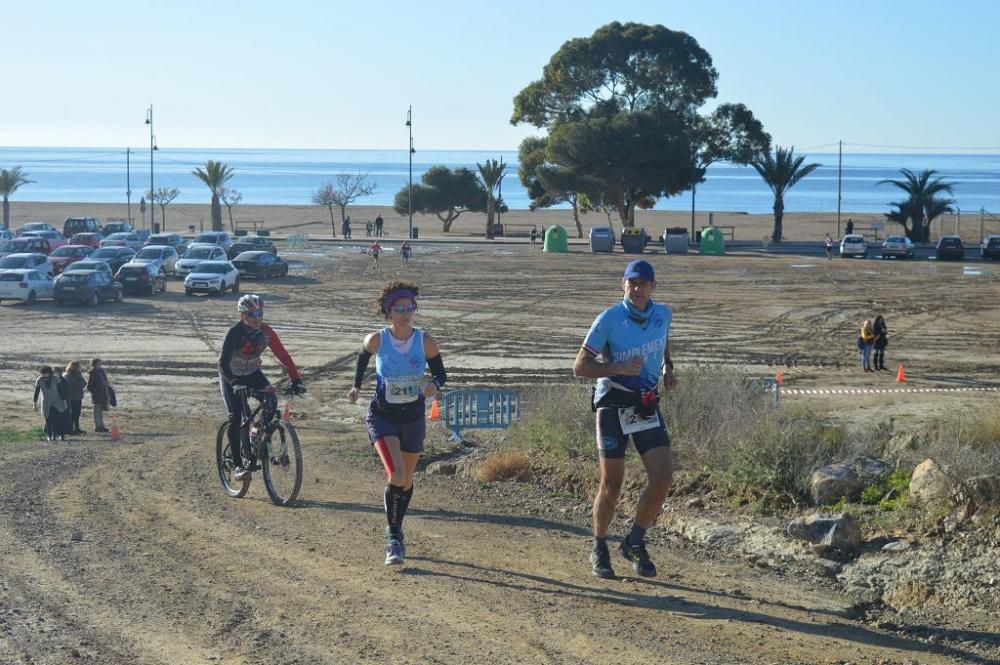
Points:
x=899 y=246
x=163 y=256
x=196 y=254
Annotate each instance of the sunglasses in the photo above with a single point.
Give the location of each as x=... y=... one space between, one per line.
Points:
x=400 y=309
x=256 y=315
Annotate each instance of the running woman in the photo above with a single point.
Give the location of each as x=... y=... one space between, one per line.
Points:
x=395 y=418
x=631 y=339
x=239 y=365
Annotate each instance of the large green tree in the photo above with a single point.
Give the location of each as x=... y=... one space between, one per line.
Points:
x=10 y=181
x=620 y=108
x=546 y=185
x=491 y=174
x=781 y=171
x=922 y=204
x=215 y=175
x=444 y=193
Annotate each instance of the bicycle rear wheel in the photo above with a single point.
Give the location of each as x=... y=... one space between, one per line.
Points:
x=224 y=464
x=282 y=465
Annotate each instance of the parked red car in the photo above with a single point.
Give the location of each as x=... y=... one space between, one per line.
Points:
x=67 y=254
x=89 y=239
x=28 y=245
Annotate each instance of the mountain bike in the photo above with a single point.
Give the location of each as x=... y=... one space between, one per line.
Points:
x=269 y=443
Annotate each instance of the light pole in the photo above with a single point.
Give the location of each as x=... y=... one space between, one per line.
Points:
x=409 y=188
x=152 y=147
x=128 y=182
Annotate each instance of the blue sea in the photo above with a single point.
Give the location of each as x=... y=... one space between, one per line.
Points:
x=290 y=177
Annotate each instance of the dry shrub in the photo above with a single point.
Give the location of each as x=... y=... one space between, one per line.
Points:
x=967 y=443
x=556 y=420
x=509 y=465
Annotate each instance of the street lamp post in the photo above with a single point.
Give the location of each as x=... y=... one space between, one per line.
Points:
x=152 y=147
x=128 y=182
x=409 y=187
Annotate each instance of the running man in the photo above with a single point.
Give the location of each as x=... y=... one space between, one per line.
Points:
x=239 y=365
x=631 y=339
x=395 y=420
x=375 y=250
x=828 y=244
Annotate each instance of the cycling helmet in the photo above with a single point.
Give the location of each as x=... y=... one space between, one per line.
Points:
x=250 y=303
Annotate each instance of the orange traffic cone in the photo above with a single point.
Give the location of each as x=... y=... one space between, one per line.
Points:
x=900 y=375
x=116 y=434
x=287 y=415
x=435 y=414
x=780 y=380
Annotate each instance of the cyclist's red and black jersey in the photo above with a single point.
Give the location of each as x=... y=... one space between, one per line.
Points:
x=242 y=348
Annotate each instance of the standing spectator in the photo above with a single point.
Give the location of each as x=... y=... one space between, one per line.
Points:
x=865 y=340
x=346 y=227
x=379 y=223
x=828 y=243
x=76 y=384
x=534 y=235
x=100 y=393
x=54 y=405
x=850 y=226
x=881 y=341
x=405 y=252
x=368 y=228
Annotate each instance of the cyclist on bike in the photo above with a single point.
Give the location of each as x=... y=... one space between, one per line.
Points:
x=239 y=366
x=396 y=424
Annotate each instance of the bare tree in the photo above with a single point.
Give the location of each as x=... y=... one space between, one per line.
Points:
x=349 y=188
x=163 y=196
x=231 y=197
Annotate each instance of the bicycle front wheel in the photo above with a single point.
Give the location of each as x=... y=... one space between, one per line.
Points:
x=282 y=465
x=225 y=465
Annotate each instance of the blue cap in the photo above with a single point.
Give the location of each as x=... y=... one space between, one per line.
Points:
x=640 y=269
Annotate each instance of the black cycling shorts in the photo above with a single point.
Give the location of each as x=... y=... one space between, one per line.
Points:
x=612 y=440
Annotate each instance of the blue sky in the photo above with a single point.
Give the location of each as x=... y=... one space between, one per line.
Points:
x=329 y=74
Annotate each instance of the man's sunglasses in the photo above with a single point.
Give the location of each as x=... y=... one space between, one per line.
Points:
x=256 y=315
x=400 y=309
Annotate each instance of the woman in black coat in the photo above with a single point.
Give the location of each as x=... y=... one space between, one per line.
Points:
x=881 y=341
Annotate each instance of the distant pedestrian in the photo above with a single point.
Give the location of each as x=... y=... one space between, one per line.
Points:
x=368 y=228
x=866 y=339
x=375 y=250
x=345 y=227
x=54 y=406
x=829 y=246
x=77 y=384
x=881 y=333
x=405 y=252
x=379 y=223
x=850 y=226
x=534 y=235
x=100 y=393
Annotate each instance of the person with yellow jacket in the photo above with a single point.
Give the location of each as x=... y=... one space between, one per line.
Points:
x=865 y=342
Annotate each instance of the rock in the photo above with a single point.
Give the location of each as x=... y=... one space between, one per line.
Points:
x=828 y=534
x=896 y=546
x=929 y=483
x=870 y=470
x=901 y=444
x=696 y=502
x=442 y=469
x=707 y=533
x=909 y=593
x=979 y=491
x=830 y=483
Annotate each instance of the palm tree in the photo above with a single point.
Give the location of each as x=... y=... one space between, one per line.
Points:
x=922 y=204
x=781 y=171
x=215 y=175
x=491 y=173
x=10 y=181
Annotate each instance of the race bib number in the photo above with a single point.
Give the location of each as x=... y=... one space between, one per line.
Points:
x=402 y=391
x=632 y=422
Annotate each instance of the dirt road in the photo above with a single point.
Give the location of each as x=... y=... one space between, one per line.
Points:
x=129 y=553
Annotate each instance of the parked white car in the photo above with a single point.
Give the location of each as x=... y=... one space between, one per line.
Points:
x=853 y=245
x=28 y=260
x=162 y=255
x=25 y=284
x=212 y=277
x=123 y=239
x=195 y=255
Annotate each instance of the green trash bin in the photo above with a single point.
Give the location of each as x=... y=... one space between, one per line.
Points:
x=555 y=240
x=712 y=241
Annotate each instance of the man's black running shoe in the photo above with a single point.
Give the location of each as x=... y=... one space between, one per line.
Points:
x=639 y=557
x=601 y=560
